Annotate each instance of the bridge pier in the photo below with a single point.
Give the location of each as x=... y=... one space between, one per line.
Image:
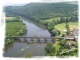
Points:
x=31 y=39
x=38 y=40
x=52 y=40
x=24 y=38
x=18 y=38
x=45 y=40
x=15 y=38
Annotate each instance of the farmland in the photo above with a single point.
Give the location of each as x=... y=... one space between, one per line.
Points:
x=61 y=26
x=14 y=26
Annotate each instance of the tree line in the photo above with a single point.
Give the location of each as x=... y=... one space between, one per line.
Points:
x=61 y=20
x=14 y=27
x=42 y=11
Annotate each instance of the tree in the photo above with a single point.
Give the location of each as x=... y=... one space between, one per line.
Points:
x=76 y=45
x=50 y=28
x=58 y=32
x=54 y=32
x=68 y=30
x=49 y=49
x=28 y=54
x=62 y=44
x=67 y=19
x=63 y=35
x=62 y=20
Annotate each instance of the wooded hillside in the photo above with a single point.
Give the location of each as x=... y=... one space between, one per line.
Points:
x=42 y=11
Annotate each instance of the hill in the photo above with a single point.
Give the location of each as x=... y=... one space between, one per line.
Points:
x=42 y=11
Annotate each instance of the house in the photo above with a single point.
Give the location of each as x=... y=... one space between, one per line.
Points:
x=69 y=37
x=76 y=38
x=74 y=32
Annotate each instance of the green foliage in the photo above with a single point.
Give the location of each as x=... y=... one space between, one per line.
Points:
x=61 y=48
x=58 y=32
x=28 y=55
x=49 y=49
x=63 y=35
x=62 y=19
x=74 y=52
x=8 y=40
x=54 y=32
x=14 y=27
x=62 y=43
x=43 y=11
x=76 y=45
x=68 y=29
x=40 y=12
x=50 y=28
x=13 y=19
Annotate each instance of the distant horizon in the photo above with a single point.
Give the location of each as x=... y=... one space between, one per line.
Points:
x=36 y=2
x=20 y=3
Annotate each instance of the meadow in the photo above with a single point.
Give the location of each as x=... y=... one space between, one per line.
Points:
x=72 y=25
x=14 y=27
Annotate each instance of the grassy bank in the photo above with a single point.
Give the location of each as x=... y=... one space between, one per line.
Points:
x=14 y=27
x=61 y=27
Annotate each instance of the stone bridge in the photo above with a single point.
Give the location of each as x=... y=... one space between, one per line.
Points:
x=38 y=38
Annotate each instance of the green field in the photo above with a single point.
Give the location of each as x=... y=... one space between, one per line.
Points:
x=14 y=28
x=51 y=19
x=72 y=25
x=13 y=19
x=9 y=18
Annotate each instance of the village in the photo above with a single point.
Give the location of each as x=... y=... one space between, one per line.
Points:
x=73 y=35
x=72 y=39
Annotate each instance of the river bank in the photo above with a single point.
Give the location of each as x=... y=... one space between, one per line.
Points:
x=19 y=48
x=14 y=27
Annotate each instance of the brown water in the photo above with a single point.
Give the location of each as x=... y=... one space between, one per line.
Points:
x=20 y=47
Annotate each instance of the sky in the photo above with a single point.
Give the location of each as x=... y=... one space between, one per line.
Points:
x=11 y=2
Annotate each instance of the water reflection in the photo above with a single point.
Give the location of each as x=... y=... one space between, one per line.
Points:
x=33 y=22
x=35 y=40
x=35 y=46
x=8 y=47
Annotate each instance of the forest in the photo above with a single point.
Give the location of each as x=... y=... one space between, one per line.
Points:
x=42 y=11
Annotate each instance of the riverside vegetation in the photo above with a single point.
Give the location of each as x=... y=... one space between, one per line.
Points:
x=53 y=16
x=49 y=14
x=14 y=27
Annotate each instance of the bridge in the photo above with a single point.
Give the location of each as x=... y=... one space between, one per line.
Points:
x=38 y=38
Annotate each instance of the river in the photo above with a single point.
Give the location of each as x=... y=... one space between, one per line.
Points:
x=19 y=47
